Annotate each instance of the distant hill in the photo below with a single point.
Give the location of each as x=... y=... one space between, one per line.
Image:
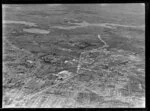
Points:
x=133 y=14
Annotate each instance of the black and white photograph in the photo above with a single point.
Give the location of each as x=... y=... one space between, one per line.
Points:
x=89 y=55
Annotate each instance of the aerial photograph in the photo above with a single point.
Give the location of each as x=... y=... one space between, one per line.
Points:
x=73 y=55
